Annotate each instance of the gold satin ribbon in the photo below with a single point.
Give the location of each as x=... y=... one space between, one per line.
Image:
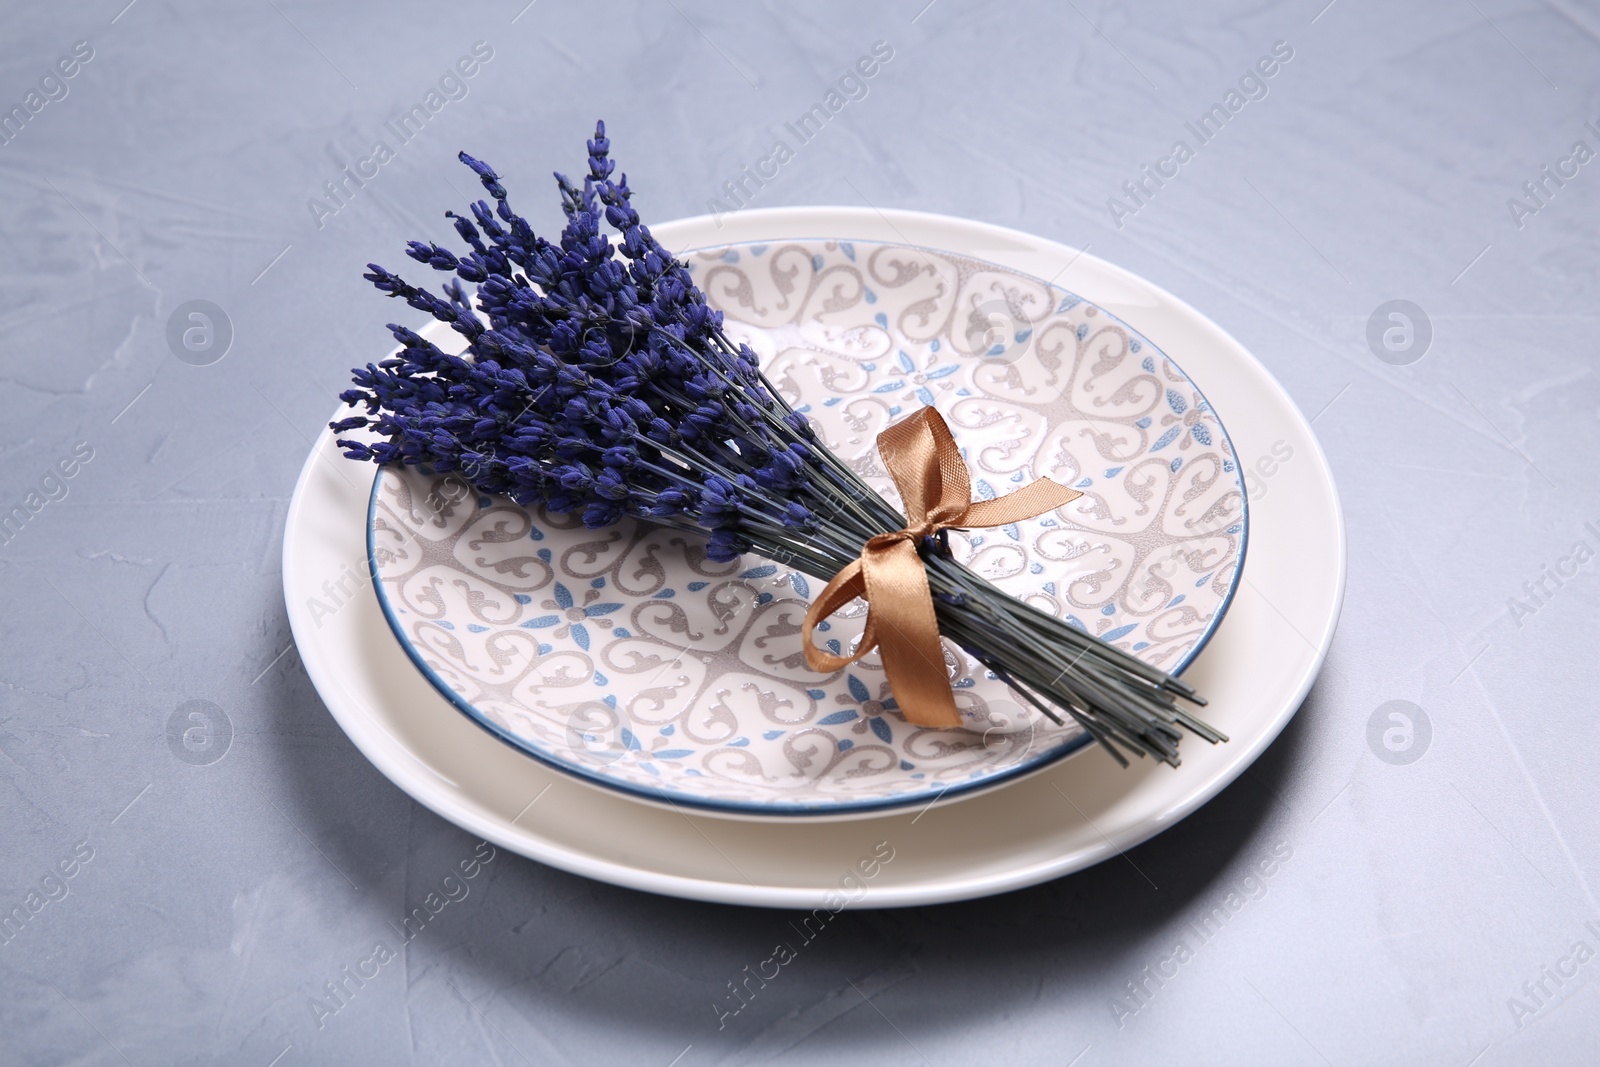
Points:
x=935 y=485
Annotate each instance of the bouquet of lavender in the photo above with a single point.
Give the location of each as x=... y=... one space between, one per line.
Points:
x=597 y=380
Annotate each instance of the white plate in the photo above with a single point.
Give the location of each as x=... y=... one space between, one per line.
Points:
x=623 y=657
x=1256 y=670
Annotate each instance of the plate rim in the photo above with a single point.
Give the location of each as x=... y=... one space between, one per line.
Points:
x=850 y=808
x=352 y=699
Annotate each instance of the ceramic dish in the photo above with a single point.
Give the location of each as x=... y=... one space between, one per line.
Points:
x=1256 y=669
x=623 y=656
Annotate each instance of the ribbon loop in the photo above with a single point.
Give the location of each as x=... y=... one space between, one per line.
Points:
x=922 y=458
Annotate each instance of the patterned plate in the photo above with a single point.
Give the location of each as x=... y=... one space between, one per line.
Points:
x=622 y=656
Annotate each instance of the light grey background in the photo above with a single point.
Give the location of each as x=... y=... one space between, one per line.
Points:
x=1421 y=901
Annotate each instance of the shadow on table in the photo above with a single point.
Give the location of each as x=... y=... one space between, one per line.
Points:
x=574 y=970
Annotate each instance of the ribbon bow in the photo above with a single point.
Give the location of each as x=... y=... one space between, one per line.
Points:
x=936 y=487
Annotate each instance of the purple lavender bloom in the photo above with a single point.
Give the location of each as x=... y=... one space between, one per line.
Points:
x=595 y=380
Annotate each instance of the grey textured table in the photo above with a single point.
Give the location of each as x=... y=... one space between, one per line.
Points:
x=1431 y=897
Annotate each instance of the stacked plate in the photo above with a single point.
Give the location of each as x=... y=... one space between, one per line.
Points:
x=612 y=703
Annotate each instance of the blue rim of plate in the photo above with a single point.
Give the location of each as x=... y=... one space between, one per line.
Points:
x=875 y=806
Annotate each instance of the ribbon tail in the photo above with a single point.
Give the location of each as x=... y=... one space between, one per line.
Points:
x=908 y=633
x=1035 y=498
x=845 y=587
